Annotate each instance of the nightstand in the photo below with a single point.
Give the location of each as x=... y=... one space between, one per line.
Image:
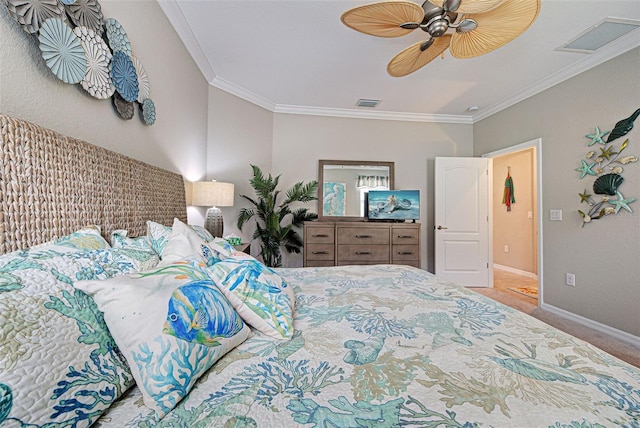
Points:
x=245 y=247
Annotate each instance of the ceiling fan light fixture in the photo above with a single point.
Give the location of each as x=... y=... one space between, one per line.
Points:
x=466 y=25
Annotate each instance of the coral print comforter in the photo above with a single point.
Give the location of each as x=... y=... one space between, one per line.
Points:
x=387 y=346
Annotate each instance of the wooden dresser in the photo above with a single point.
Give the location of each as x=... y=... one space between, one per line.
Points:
x=329 y=243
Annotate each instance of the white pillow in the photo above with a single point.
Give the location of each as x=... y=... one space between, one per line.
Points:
x=171 y=324
x=158 y=235
x=183 y=243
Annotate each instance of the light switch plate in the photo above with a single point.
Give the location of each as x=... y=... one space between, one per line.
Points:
x=555 y=215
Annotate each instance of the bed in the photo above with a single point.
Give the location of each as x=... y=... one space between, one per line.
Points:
x=367 y=346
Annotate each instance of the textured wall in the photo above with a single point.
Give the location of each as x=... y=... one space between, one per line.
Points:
x=605 y=254
x=177 y=141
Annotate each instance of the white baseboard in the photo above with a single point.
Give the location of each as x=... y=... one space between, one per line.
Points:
x=516 y=271
x=610 y=331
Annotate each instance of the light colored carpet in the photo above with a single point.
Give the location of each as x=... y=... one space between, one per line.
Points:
x=502 y=280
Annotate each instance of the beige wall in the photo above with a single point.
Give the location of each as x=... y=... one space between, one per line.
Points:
x=300 y=141
x=177 y=141
x=605 y=254
x=295 y=143
x=240 y=134
x=514 y=228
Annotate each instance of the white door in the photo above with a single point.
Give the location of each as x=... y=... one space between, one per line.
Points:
x=462 y=220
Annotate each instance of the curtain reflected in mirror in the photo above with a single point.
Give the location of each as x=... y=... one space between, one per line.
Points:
x=343 y=186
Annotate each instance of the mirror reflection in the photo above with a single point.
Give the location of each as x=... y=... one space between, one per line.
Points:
x=343 y=185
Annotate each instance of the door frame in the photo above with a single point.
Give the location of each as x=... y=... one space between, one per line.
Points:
x=537 y=145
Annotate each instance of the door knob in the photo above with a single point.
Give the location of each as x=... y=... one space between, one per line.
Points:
x=440 y=227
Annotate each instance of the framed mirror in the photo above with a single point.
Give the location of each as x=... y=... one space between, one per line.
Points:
x=342 y=185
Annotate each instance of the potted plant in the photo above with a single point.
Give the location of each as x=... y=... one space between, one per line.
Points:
x=276 y=222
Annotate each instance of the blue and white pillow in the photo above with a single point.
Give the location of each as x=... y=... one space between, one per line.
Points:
x=85 y=239
x=217 y=250
x=261 y=297
x=171 y=323
x=59 y=365
x=138 y=248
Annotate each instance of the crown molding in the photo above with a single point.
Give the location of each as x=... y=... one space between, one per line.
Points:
x=175 y=16
x=173 y=12
x=376 y=115
x=240 y=92
x=620 y=46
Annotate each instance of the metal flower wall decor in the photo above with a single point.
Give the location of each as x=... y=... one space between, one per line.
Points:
x=80 y=47
x=606 y=166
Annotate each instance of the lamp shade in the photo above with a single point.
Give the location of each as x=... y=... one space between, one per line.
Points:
x=212 y=194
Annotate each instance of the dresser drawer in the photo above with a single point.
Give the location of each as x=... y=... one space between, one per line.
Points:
x=379 y=253
x=319 y=251
x=319 y=235
x=363 y=236
x=405 y=252
x=405 y=236
x=414 y=263
x=319 y=263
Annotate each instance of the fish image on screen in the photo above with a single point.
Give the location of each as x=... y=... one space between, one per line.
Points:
x=398 y=205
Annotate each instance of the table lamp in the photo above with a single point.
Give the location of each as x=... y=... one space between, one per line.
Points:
x=213 y=194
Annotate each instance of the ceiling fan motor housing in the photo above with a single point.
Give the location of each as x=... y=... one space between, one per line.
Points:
x=436 y=20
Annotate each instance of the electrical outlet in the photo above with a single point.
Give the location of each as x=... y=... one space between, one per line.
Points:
x=570 y=279
x=506 y=248
x=529 y=214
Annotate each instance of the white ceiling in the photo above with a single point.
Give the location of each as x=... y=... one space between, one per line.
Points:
x=296 y=56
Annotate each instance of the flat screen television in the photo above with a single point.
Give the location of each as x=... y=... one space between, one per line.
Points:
x=395 y=205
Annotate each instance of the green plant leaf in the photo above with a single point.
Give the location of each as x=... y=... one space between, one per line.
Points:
x=275 y=223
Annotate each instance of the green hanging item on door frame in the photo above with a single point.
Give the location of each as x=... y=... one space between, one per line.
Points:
x=508 y=197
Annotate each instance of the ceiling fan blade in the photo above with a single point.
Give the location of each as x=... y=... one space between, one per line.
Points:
x=477 y=6
x=384 y=19
x=414 y=58
x=496 y=28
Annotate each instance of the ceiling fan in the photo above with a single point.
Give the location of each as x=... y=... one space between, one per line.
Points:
x=477 y=27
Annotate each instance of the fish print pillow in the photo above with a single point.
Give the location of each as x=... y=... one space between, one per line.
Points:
x=171 y=323
x=261 y=297
x=158 y=235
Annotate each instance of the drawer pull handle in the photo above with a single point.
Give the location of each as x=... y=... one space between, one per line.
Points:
x=319 y=252
x=320 y=236
x=405 y=253
x=363 y=236
x=405 y=236
x=362 y=253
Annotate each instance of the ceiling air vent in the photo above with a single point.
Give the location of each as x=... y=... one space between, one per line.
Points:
x=599 y=35
x=363 y=102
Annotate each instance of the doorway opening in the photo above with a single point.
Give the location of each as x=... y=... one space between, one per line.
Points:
x=516 y=210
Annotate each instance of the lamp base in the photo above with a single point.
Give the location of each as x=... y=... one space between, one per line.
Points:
x=213 y=222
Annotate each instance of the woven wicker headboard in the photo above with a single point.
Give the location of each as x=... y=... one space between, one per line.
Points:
x=51 y=185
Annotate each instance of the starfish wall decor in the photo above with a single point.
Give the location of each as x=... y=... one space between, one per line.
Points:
x=607 y=168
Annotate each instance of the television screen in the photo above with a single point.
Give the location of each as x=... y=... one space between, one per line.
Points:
x=393 y=205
